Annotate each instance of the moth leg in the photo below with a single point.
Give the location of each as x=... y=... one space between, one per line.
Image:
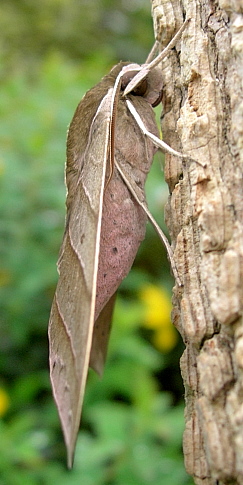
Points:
x=141 y=201
x=159 y=143
x=167 y=246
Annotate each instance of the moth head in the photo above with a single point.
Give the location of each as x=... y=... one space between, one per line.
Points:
x=148 y=83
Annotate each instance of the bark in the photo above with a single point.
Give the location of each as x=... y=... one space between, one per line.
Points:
x=203 y=116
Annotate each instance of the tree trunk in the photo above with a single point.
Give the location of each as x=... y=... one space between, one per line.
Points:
x=203 y=117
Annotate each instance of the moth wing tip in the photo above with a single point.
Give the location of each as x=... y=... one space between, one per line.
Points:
x=70 y=458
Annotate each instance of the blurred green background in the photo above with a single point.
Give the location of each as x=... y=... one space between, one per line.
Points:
x=52 y=52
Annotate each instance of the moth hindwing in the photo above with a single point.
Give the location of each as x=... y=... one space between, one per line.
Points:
x=108 y=158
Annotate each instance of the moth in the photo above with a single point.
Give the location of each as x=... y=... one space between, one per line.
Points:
x=111 y=142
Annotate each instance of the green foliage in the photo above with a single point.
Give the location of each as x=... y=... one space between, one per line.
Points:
x=131 y=428
x=79 y=29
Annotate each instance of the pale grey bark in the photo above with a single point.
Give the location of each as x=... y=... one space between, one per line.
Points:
x=203 y=116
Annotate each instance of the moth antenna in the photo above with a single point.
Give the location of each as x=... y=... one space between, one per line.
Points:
x=170 y=46
x=151 y=55
x=148 y=67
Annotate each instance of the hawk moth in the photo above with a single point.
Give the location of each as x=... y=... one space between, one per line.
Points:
x=111 y=142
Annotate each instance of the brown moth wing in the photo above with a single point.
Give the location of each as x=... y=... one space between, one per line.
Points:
x=79 y=130
x=72 y=313
x=123 y=220
x=101 y=239
x=101 y=335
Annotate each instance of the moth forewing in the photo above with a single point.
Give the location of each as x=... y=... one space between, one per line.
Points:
x=72 y=314
x=101 y=336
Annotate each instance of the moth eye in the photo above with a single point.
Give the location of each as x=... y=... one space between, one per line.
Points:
x=158 y=100
x=126 y=78
x=141 y=89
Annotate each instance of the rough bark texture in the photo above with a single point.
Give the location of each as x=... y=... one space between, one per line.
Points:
x=203 y=116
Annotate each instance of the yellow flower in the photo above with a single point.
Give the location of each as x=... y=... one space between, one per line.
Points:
x=157 y=317
x=4 y=402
